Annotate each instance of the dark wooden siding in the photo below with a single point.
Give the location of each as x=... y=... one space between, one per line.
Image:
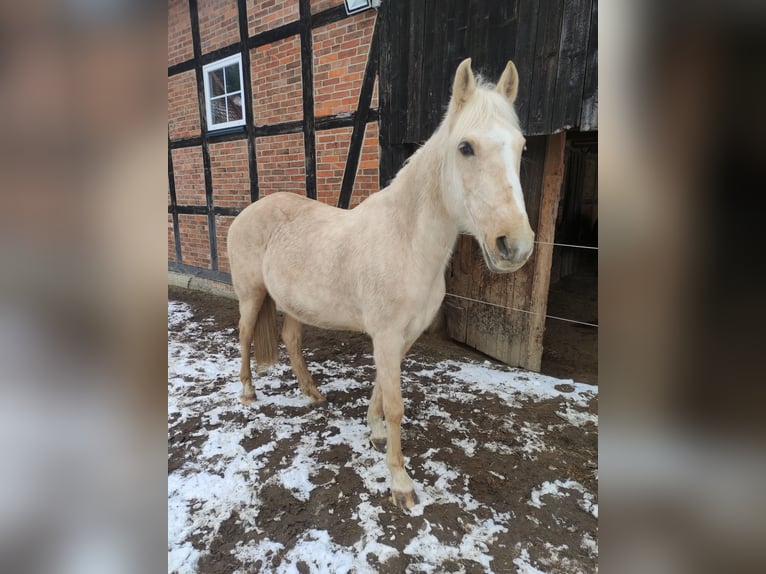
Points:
x=553 y=44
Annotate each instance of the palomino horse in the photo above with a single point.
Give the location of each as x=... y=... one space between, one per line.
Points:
x=379 y=268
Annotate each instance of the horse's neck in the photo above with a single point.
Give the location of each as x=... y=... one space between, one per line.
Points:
x=418 y=190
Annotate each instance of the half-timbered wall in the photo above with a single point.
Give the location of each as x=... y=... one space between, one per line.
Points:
x=311 y=99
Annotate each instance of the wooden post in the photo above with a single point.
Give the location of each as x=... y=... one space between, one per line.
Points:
x=553 y=177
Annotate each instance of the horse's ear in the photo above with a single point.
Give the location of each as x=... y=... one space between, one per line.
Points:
x=465 y=84
x=508 y=85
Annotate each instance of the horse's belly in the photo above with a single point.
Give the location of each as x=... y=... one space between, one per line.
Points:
x=324 y=316
x=310 y=293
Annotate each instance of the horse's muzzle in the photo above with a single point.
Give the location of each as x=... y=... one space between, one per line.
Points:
x=508 y=255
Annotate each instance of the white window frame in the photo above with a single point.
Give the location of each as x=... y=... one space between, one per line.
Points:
x=206 y=70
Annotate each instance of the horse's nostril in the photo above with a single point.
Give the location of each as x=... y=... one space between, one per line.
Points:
x=502 y=247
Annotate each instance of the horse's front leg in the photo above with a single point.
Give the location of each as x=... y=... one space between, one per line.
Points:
x=388 y=350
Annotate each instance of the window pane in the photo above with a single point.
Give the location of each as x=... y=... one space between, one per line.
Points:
x=218 y=110
x=235 y=107
x=216 y=82
x=232 y=78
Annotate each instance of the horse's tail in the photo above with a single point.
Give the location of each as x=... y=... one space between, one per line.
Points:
x=266 y=343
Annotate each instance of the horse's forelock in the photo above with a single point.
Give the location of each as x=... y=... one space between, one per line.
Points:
x=483 y=106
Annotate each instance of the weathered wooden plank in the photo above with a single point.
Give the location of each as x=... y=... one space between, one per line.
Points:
x=393 y=62
x=589 y=110
x=520 y=297
x=570 y=75
x=524 y=57
x=542 y=101
x=553 y=176
x=415 y=70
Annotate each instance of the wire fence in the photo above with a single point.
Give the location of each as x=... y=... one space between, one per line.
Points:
x=584 y=323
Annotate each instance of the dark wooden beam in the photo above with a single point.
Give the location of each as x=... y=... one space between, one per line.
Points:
x=329 y=16
x=247 y=90
x=274 y=35
x=185 y=142
x=292 y=127
x=360 y=122
x=172 y=206
x=180 y=68
x=344 y=120
x=197 y=47
x=188 y=209
x=204 y=210
x=307 y=74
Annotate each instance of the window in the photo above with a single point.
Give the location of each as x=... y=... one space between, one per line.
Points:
x=354 y=6
x=224 y=98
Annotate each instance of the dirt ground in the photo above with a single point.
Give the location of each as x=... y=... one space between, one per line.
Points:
x=556 y=536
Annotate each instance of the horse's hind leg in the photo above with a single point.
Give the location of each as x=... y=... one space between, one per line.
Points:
x=249 y=306
x=375 y=420
x=375 y=415
x=292 y=335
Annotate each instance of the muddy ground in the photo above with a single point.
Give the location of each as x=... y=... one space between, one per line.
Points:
x=507 y=483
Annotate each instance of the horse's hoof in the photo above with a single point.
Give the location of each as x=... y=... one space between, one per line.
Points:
x=378 y=444
x=247 y=400
x=318 y=403
x=404 y=500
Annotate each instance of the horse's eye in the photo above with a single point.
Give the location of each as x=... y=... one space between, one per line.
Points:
x=465 y=148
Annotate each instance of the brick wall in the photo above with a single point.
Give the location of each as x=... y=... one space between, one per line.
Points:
x=189 y=175
x=339 y=59
x=218 y=24
x=222 y=223
x=195 y=242
x=366 y=182
x=183 y=106
x=230 y=173
x=332 y=149
x=179 y=32
x=340 y=55
x=319 y=5
x=281 y=164
x=276 y=76
x=265 y=15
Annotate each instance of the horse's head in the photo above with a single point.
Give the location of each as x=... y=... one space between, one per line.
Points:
x=483 y=160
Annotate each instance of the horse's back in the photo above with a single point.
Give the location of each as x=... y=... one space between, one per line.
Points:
x=250 y=232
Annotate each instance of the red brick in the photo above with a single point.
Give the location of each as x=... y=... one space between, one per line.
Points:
x=195 y=242
x=277 y=84
x=183 y=106
x=218 y=24
x=281 y=164
x=339 y=62
x=189 y=177
x=179 y=32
